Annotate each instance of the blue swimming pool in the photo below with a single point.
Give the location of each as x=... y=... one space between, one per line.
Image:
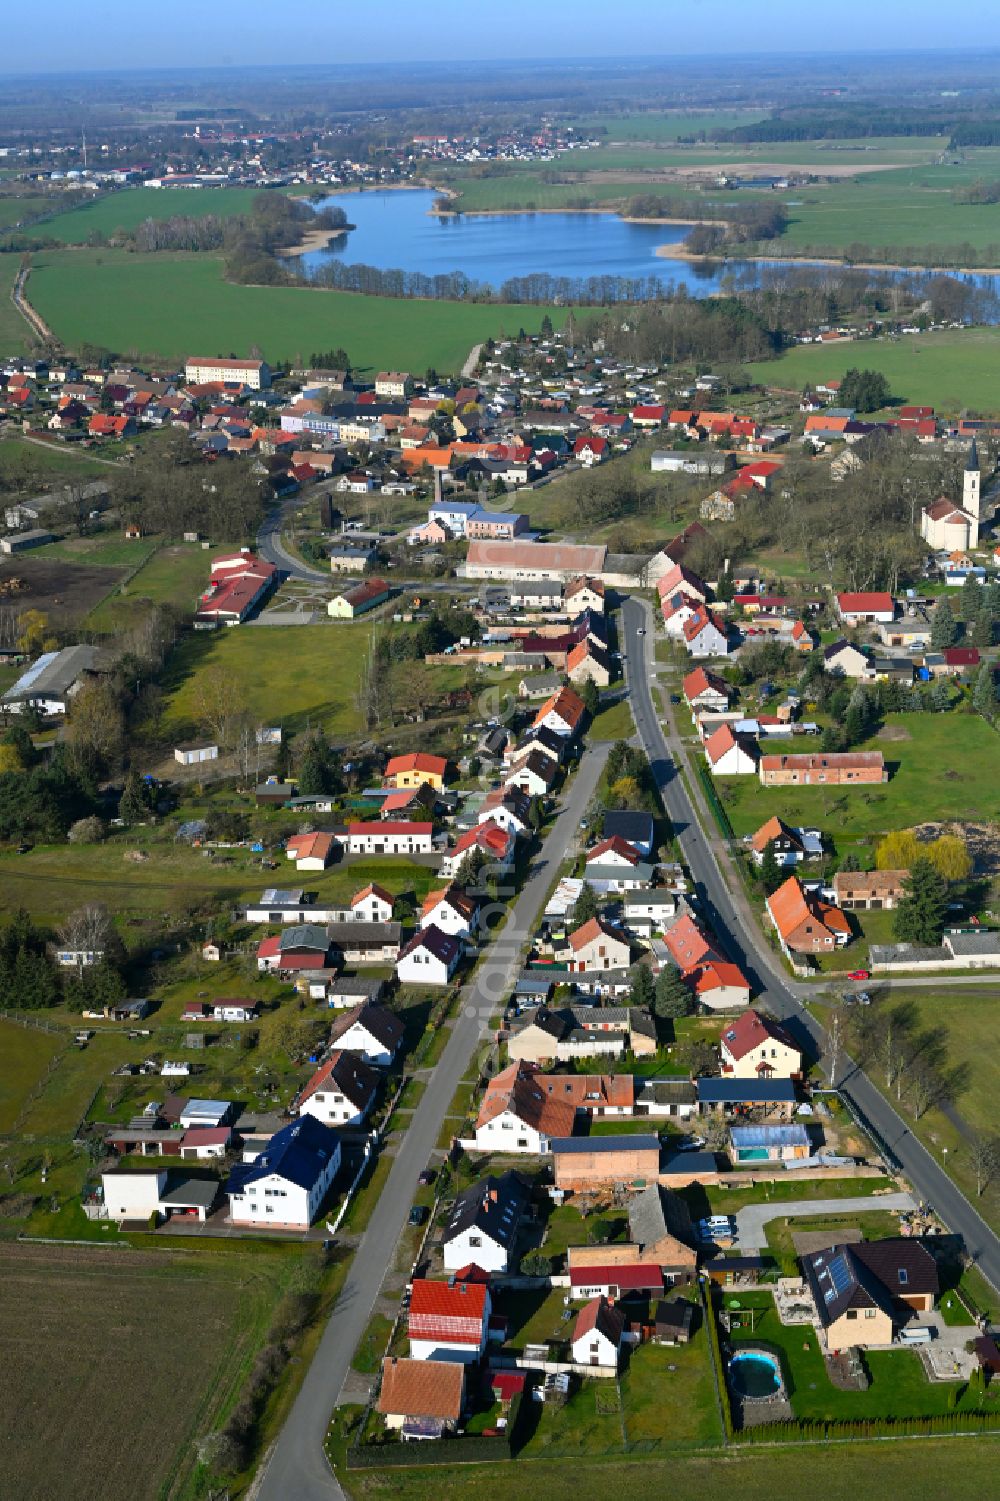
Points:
x=755 y=1374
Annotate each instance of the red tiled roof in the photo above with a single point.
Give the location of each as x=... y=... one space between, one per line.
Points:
x=387 y=826
x=615 y=845
x=864 y=603
x=748 y=1032
x=422 y=1388
x=417 y=761
x=636 y=1278
x=454 y=1314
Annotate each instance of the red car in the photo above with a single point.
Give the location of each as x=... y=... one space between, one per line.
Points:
x=859 y=974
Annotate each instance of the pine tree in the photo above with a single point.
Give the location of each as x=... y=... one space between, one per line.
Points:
x=585 y=907
x=672 y=997
x=984 y=695
x=132 y=805
x=643 y=990
x=770 y=871
x=943 y=626
x=970 y=602
x=981 y=633
x=920 y=916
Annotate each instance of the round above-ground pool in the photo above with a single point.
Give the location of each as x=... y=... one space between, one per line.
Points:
x=755 y=1375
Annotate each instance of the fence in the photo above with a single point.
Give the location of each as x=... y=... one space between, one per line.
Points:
x=476 y=1448
x=712 y=798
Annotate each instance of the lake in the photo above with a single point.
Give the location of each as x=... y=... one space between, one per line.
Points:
x=395 y=230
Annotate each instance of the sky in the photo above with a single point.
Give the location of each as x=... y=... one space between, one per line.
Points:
x=59 y=36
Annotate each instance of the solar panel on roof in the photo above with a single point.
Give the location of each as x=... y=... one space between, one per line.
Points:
x=840 y=1275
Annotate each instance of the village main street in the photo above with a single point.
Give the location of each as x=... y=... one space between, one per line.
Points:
x=726 y=911
x=297 y=1469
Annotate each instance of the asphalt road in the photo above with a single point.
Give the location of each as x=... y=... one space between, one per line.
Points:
x=746 y=946
x=297 y=1469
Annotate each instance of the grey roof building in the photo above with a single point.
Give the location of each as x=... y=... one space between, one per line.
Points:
x=50 y=682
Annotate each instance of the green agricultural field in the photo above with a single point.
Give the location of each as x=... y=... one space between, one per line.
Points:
x=301 y=674
x=104 y=1343
x=24 y=465
x=940 y=764
x=129 y=207
x=26 y=1054
x=948 y=1470
x=664 y=125
x=949 y=371
x=170 y=305
x=15 y=335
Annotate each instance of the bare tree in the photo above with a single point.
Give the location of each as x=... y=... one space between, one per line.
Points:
x=87 y=930
x=927 y=1086
x=218 y=704
x=984 y=1158
x=835 y=1043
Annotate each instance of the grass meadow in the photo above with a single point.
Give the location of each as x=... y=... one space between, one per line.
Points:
x=949 y=371
x=167 y=305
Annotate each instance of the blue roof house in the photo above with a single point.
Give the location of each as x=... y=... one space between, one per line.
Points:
x=283 y=1188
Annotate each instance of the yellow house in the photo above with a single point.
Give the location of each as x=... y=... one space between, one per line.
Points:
x=863 y=1292
x=754 y=1047
x=416 y=768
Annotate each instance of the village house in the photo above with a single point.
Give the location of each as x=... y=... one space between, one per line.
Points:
x=584 y=594
x=706 y=690
x=421 y=1399
x=390 y=837
x=341 y=1091
x=588 y=662
x=452 y=910
x=705 y=634
x=372 y=1031
x=803 y=922
x=842 y=659
x=448 y=1320
x=517 y=1115
x=283 y=1187
x=871 y=890
x=562 y=713
x=597 y=1335
x=755 y=1047
x=508 y=807
x=414 y=769
x=790 y=846
x=649 y=911
x=595 y=945
x=729 y=754
x=591 y=1094
x=311 y=851
x=863 y=1293
x=430 y=958
x=634 y=826
x=532 y=773
x=302 y=946
x=483 y=1225
x=855 y=609
x=496 y=843
x=357 y=600
x=371 y=904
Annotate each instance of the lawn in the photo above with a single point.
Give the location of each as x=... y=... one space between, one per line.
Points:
x=66 y=1096
x=174 y=575
x=168 y=305
x=103 y=1344
x=949 y=370
x=614 y=722
x=26 y=1054
x=948 y=1469
x=132 y=206
x=105 y=549
x=292 y=675
x=943 y=764
x=899 y=1387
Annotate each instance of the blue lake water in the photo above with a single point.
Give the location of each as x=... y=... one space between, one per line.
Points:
x=395 y=230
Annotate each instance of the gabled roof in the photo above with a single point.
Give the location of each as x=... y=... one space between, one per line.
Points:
x=614 y=845
x=454 y=896
x=687 y=943
x=599 y=1317
x=748 y=1031
x=451 y=1312
x=381 y=1023
x=441 y=945
x=655 y=1213
x=701 y=681
x=422 y=1388
x=591 y=931
x=515 y=1090
x=417 y=761
x=791 y=906
x=774 y=828
x=566 y=704
x=493 y=1207
x=864 y=603
x=372 y=889
x=724 y=739
x=299 y=1152
x=345 y=1073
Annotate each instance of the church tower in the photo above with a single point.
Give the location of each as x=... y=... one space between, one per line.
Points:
x=971 y=481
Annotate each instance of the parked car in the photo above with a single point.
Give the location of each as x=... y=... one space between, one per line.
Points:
x=418 y=1214
x=427 y=1176
x=859 y=974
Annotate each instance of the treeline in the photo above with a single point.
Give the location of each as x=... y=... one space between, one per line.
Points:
x=173 y=491
x=455 y=286
x=845 y=125
x=738 y=222
x=979 y=191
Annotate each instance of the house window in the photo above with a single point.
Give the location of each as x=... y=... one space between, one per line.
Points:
x=870 y=1313
x=475 y=1240
x=903 y=1275
x=852 y=1313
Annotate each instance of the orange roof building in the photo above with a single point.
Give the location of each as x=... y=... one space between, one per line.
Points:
x=804 y=923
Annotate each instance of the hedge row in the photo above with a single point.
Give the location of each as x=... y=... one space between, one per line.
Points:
x=945 y=1422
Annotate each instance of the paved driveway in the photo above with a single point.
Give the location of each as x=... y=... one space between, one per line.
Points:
x=750 y=1222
